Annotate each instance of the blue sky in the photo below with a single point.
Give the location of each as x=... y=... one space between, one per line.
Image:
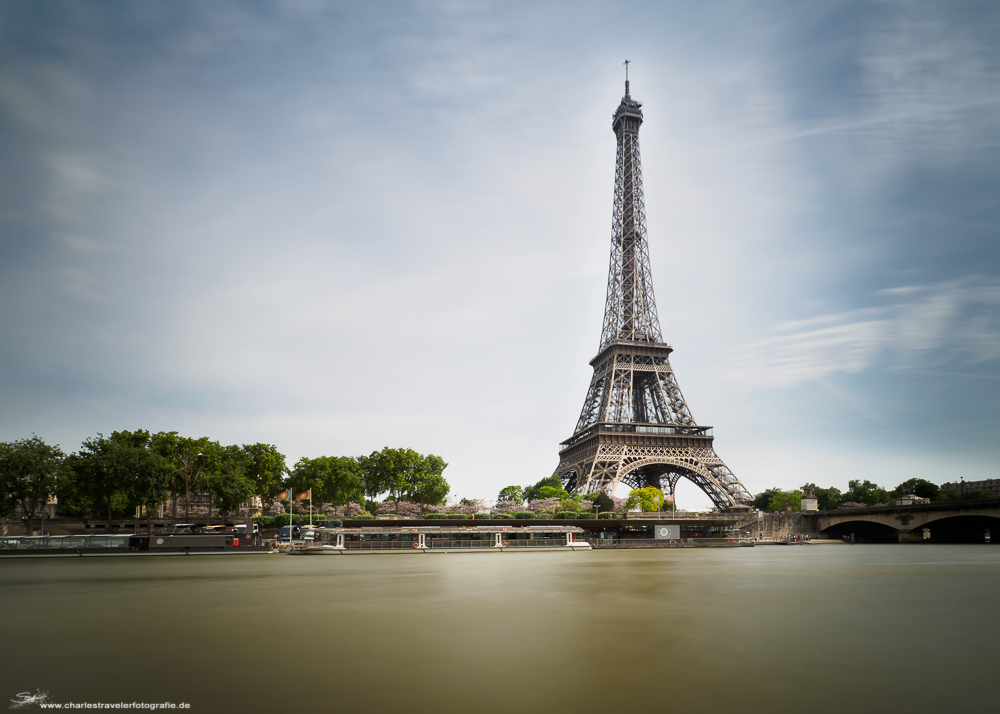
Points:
x=340 y=226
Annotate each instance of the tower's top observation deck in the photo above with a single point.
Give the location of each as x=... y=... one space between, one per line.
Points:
x=628 y=116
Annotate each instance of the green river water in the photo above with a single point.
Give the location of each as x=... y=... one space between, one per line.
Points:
x=814 y=628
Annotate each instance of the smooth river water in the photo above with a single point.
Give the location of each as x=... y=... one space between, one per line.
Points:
x=815 y=628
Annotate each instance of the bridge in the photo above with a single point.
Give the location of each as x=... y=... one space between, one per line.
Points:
x=939 y=522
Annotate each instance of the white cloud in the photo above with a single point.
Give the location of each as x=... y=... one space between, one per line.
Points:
x=954 y=324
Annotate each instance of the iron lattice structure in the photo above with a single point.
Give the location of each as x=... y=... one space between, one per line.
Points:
x=635 y=426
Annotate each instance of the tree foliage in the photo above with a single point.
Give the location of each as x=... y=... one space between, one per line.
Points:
x=918 y=487
x=532 y=493
x=866 y=492
x=552 y=492
x=404 y=475
x=762 y=501
x=30 y=472
x=649 y=498
x=336 y=480
x=785 y=501
x=511 y=493
x=226 y=479
x=189 y=459
x=111 y=474
x=265 y=467
x=602 y=501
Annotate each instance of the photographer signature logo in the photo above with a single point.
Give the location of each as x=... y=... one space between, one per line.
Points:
x=23 y=699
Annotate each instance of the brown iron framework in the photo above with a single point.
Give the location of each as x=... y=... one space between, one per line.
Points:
x=635 y=427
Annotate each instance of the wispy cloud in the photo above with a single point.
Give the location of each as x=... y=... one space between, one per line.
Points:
x=952 y=325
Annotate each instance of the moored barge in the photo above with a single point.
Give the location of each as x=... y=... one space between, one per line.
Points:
x=443 y=539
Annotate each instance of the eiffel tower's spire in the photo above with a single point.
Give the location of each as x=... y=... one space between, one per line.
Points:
x=630 y=308
x=635 y=426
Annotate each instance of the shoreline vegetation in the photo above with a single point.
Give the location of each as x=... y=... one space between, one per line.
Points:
x=139 y=474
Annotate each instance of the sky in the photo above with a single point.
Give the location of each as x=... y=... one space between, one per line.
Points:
x=339 y=226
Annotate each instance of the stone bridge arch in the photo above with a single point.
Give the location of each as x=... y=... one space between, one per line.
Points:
x=863 y=529
x=959 y=525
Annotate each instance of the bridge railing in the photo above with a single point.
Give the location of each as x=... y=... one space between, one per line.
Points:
x=932 y=506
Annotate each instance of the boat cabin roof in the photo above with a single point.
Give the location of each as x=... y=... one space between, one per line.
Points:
x=455 y=529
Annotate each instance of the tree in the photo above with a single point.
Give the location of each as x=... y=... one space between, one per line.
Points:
x=265 y=467
x=786 y=501
x=29 y=471
x=189 y=459
x=8 y=503
x=976 y=495
x=544 y=505
x=552 y=492
x=507 y=507
x=336 y=480
x=117 y=471
x=381 y=473
x=531 y=493
x=866 y=492
x=762 y=501
x=602 y=501
x=649 y=498
x=511 y=493
x=404 y=475
x=151 y=473
x=226 y=480
x=469 y=506
x=427 y=484
x=918 y=487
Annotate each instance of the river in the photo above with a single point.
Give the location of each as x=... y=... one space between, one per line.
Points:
x=813 y=628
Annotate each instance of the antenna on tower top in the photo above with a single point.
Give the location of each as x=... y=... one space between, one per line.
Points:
x=626 y=77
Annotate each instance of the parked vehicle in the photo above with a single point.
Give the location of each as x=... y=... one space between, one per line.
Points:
x=286 y=534
x=179 y=529
x=208 y=530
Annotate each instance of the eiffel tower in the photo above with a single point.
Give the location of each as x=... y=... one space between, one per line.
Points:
x=635 y=426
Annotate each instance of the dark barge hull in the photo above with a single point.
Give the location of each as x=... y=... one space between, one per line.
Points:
x=144 y=545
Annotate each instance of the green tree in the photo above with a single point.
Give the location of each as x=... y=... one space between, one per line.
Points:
x=30 y=472
x=151 y=473
x=866 y=492
x=226 y=481
x=333 y=479
x=189 y=459
x=918 y=487
x=386 y=471
x=112 y=472
x=511 y=493
x=532 y=493
x=602 y=501
x=427 y=484
x=762 y=501
x=649 y=498
x=976 y=495
x=405 y=475
x=786 y=500
x=552 y=492
x=265 y=467
x=379 y=473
